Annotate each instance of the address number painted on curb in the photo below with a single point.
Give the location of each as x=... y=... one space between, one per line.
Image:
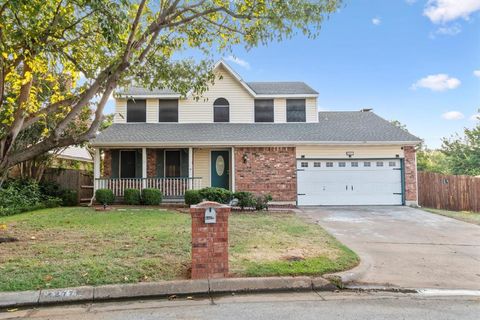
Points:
x=210 y=215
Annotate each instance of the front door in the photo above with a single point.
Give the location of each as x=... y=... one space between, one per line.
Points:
x=220 y=169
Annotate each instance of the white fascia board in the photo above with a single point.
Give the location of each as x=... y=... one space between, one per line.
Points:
x=247 y=143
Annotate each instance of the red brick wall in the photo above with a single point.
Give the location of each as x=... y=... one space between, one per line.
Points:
x=410 y=174
x=209 y=242
x=107 y=163
x=151 y=163
x=267 y=170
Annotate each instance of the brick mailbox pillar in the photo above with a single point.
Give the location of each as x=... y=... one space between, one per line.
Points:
x=209 y=240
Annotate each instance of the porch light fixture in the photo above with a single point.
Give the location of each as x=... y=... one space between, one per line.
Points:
x=245 y=158
x=350 y=153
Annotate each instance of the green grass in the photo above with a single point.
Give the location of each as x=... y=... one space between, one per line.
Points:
x=466 y=216
x=65 y=247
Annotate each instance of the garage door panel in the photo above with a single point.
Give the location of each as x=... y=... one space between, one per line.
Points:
x=345 y=184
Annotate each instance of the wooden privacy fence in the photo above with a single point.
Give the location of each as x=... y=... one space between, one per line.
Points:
x=457 y=193
x=78 y=180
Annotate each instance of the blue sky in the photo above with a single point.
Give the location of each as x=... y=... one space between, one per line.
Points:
x=412 y=61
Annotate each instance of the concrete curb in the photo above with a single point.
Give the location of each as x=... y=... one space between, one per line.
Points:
x=162 y=289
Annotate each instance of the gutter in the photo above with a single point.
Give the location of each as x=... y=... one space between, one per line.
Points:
x=139 y=144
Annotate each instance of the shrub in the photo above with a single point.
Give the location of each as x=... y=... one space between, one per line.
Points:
x=104 y=196
x=18 y=196
x=132 y=196
x=53 y=202
x=245 y=199
x=219 y=195
x=151 y=197
x=192 y=197
x=50 y=188
x=261 y=202
x=69 y=198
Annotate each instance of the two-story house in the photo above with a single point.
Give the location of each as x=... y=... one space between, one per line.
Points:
x=263 y=137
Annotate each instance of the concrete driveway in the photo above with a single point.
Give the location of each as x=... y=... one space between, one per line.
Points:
x=405 y=247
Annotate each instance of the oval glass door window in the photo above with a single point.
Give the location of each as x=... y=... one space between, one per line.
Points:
x=220 y=166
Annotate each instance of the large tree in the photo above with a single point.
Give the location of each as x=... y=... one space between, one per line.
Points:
x=47 y=45
x=463 y=152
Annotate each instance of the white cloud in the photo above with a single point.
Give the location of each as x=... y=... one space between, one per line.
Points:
x=453 y=115
x=376 y=21
x=476 y=73
x=475 y=117
x=110 y=97
x=437 y=82
x=238 y=61
x=441 y=11
x=449 y=30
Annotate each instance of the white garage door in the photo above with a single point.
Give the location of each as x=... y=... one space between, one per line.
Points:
x=349 y=182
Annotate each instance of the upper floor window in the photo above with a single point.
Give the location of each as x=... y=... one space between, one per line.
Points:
x=296 y=110
x=221 y=110
x=136 y=111
x=264 y=110
x=168 y=110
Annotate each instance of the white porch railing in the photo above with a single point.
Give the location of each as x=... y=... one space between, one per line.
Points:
x=170 y=187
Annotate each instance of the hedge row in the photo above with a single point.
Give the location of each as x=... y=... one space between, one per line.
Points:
x=130 y=196
x=243 y=199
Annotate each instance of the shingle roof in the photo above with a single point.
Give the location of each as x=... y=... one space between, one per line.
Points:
x=132 y=91
x=333 y=127
x=261 y=88
x=281 y=88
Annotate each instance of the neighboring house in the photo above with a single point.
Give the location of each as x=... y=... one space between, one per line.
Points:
x=73 y=157
x=263 y=137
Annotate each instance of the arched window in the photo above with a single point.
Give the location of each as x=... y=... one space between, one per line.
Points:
x=221 y=110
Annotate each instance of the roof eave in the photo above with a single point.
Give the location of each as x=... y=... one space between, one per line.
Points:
x=138 y=144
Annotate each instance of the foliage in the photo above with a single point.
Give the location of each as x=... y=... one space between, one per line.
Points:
x=24 y=195
x=152 y=197
x=245 y=199
x=104 y=196
x=192 y=197
x=61 y=60
x=249 y=200
x=432 y=161
x=261 y=202
x=463 y=153
x=69 y=198
x=219 y=195
x=132 y=196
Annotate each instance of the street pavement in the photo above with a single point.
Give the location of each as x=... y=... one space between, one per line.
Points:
x=302 y=305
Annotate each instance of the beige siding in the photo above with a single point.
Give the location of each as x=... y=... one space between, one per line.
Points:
x=152 y=110
x=326 y=151
x=280 y=110
x=201 y=165
x=241 y=102
x=311 y=110
x=120 y=111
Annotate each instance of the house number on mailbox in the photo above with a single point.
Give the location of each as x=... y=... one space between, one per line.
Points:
x=210 y=216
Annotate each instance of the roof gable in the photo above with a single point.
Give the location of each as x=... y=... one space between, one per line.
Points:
x=255 y=89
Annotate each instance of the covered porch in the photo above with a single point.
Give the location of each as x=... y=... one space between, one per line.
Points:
x=171 y=170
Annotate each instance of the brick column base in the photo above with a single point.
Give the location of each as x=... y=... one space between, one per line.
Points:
x=209 y=241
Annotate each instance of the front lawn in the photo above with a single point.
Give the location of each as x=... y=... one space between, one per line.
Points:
x=466 y=216
x=77 y=246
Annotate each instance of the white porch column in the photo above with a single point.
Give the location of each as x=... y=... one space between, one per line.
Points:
x=144 y=168
x=232 y=174
x=96 y=168
x=190 y=168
